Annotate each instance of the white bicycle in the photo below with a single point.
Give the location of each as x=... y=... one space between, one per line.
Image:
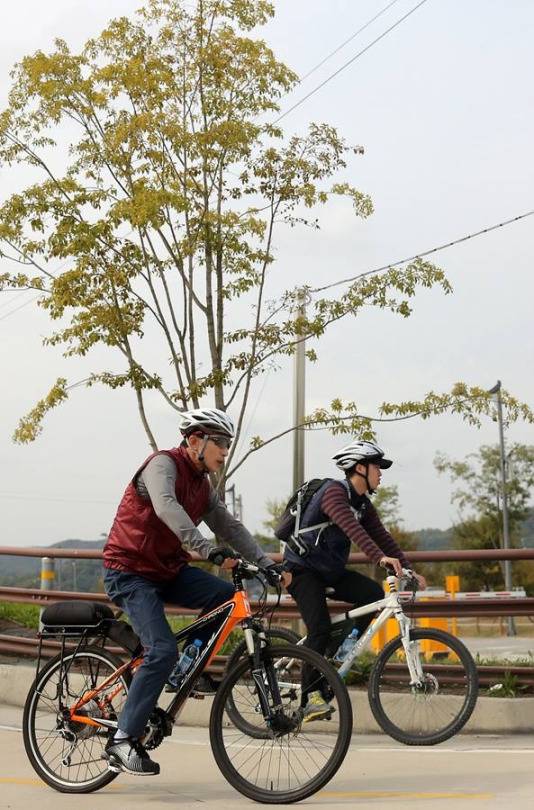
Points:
x=423 y=686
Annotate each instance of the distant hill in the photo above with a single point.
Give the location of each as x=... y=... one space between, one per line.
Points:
x=81 y=575
x=433 y=539
x=86 y=575
x=441 y=539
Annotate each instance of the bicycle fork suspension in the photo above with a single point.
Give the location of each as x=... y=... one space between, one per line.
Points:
x=263 y=676
x=411 y=649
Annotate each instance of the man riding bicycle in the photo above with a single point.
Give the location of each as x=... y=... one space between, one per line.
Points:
x=338 y=514
x=147 y=564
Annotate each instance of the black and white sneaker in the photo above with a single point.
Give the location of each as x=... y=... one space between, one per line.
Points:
x=129 y=756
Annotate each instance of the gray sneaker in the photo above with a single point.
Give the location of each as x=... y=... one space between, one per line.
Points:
x=129 y=756
x=317 y=708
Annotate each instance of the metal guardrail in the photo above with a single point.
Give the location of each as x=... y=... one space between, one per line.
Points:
x=452 y=555
x=524 y=676
x=27 y=647
x=431 y=607
x=287 y=607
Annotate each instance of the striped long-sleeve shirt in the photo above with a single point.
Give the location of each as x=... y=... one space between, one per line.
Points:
x=368 y=533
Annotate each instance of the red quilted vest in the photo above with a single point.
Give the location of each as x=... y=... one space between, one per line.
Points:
x=139 y=542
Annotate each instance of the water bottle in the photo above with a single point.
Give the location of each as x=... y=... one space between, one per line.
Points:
x=345 y=649
x=184 y=663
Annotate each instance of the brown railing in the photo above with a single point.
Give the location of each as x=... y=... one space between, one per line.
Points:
x=454 y=555
x=435 y=607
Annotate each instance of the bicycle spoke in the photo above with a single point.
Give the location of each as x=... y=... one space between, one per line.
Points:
x=67 y=753
x=439 y=705
x=281 y=756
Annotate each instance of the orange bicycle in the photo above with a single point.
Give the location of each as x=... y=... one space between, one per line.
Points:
x=76 y=698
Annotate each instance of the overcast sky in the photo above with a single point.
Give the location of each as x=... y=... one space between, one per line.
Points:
x=444 y=108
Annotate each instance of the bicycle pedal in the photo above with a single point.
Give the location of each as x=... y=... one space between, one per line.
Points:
x=113 y=766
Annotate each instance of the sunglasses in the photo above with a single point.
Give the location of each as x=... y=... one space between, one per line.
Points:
x=221 y=441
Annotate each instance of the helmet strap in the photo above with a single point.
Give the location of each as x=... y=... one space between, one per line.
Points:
x=203 y=449
x=365 y=477
x=200 y=455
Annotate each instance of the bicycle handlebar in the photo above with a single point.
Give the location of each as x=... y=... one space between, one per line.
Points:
x=407 y=574
x=244 y=567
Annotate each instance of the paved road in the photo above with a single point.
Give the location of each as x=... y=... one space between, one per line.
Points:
x=486 y=772
x=510 y=648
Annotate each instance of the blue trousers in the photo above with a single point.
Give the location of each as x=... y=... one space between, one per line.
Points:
x=142 y=600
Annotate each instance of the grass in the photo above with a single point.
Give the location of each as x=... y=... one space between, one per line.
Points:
x=27 y=615
x=361 y=669
x=526 y=661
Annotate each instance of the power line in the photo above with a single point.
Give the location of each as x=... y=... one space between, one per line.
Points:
x=24 y=497
x=19 y=294
x=20 y=306
x=424 y=253
x=346 y=42
x=350 y=61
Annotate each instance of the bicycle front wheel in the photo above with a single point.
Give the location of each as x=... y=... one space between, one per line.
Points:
x=65 y=754
x=287 y=759
x=439 y=704
x=275 y=635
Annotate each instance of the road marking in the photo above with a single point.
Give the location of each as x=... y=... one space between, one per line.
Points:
x=399 y=794
x=12 y=780
x=379 y=749
x=439 y=750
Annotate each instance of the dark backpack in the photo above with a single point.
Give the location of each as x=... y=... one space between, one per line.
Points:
x=288 y=527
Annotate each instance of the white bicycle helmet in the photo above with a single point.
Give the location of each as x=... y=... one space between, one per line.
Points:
x=207 y=420
x=360 y=452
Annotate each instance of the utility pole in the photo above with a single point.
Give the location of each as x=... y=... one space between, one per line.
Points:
x=239 y=508
x=496 y=391
x=231 y=490
x=236 y=503
x=299 y=399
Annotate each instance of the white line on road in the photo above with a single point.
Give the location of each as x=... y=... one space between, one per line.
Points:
x=365 y=749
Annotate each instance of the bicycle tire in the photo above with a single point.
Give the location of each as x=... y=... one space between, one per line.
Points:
x=275 y=748
x=92 y=662
x=240 y=652
x=413 y=704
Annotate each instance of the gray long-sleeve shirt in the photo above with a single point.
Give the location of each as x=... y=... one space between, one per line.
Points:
x=157 y=482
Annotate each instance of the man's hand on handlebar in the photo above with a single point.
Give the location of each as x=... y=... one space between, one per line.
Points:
x=275 y=575
x=421 y=581
x=392 y=562
x=411 y=575
x=223 y=556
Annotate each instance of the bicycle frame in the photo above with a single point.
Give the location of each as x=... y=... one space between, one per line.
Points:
x=389 y=607
x=228 y=615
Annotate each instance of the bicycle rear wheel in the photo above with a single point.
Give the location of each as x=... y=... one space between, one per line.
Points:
x=287 y=759
x=438 y=707
x=65 y=754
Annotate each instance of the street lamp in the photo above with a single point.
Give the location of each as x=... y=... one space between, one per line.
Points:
x=496 y=392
